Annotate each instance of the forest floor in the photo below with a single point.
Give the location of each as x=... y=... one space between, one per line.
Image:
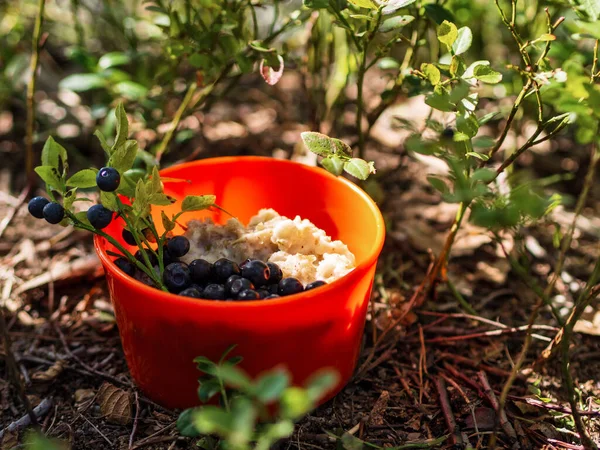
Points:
x=433 y=382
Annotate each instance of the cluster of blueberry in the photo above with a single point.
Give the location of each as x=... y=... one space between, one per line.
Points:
x=107 y=179
x=222 y=280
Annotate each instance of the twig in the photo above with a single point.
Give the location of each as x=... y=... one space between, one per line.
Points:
x=475 y=364
x=148 y=440
x=504 y=423
x=96 y=428
x=502 y=331
x=455 y=436
x=13 y=369
x=13 y=211
x=39 y=411
x=33 y=66
x=175 y=122
x=135 y=420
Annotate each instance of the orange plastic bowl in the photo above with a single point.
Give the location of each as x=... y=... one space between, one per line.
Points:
x=162 y=333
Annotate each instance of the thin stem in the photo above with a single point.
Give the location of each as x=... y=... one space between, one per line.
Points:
x=33 y=66
x=175 y=122
x=359 y=104
x=595 y=73
x=509 y=120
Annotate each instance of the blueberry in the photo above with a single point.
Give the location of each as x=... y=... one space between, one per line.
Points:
x=272 y=296
x=177 y=276
x=99 y=216
x=178 y=246
x=224 y=268
x=276 y=273
x=239 y=285
x=125 y=266
x=53 y=212
x=36 y=207
x=191 y=292
x=108 y=179
x=248 y=294
x=230 y=281
x=448 y=133
x=314 y=284
x=263 y=293
x=214 y=292
x=167 y=257
x=151 y=256
x=144 y=278
x=289 y=286
x=128 y=237
x=257 y=272
x=273 y=288
x=201 y=270
x=245 y=262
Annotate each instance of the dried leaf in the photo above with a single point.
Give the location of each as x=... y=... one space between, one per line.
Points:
x=376 y=416
x=9 y=440
x=53 y=372
x=115 y=404
x=270 y=75
x=83 y=396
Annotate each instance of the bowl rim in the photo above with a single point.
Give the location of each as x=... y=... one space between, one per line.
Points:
x=168 y=297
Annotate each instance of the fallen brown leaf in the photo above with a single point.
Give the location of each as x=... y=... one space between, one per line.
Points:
x=115 y=404
x=83 y=397
x=376 y=416
x=51 y=373
x=9 y=440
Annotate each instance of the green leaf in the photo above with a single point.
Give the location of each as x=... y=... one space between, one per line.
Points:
x=463 y=41
x=124 y=155
x=130 y=90
x=394 y=5
x=358 y=168
x=271 y=433
x=160 y=200
x=50 y=176
x=210 y=419
x=103 y=142
x=388 y=63
x=208 y=389
x=487 y=74
x=440 y=101
x=324 y=145
x=82 y=217
x=233 y=376
x=467 y=124
x=479 y=156
x=395 y=23
x=243 y=422
x=122 y=126
x=438 y=13
x=438 y=184
x=109 y=200
x=316 y=4
x=270 y=386
x=333 y=165
x=447 y=33
x=484 y=175
x=53 y=153
x=197 y=202
x=113 y=59
x=185 y=423
x=156 y=186
x=295 y=403
x=416 y=143
x=85 y=178
x=321 y=383
x=589 y=9
x=69 y=198
x=432 y=73
x=168 y=224
x=485 y=119
x=546 y=38
x=350 y=442
x=470 y=71
x=82 y=82
x=369 y=4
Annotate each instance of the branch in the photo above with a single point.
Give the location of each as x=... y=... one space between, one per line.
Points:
x=33 y=66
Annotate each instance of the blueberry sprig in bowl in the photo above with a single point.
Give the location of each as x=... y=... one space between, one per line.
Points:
x=173 y=257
